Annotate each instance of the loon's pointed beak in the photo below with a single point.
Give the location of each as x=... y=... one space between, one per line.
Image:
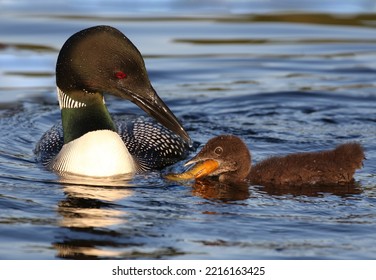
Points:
x=196 y=159
x=153 y=105
x=200 y=157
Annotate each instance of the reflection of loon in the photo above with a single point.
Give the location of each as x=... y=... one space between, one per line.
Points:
x=93 y=218
x=89 y=142
x=85 y=206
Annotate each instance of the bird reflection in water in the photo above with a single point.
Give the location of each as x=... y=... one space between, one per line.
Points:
x=314 y=191
x=90 y=214
x=212 y=189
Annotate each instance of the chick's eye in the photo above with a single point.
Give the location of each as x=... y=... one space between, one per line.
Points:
x=218 y=151
x=120 y=75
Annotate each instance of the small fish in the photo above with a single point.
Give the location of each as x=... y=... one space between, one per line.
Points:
x=201 y=169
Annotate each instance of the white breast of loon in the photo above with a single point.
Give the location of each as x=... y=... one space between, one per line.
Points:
x=99 y=153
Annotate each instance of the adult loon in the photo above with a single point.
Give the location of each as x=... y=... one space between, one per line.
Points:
x=228 y=158
x=93 y=62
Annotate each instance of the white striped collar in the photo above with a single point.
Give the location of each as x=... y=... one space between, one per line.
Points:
x=65 y=101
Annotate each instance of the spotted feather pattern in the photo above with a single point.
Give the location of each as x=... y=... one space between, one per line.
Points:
x=50 y=144
x=152 y=146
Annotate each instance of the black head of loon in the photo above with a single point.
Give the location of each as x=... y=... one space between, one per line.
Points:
x=101 y=60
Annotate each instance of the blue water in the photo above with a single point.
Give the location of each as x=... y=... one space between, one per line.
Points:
x=286 y=76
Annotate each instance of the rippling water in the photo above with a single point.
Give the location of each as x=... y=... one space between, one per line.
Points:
x=283 y=81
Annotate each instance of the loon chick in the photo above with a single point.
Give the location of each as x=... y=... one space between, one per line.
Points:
x=228 y=157
x=93 y=62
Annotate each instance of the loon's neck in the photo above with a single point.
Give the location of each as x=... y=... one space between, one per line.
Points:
x=83 y=113
x=92 y=147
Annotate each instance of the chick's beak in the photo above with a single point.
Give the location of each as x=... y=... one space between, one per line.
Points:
x=201 y=169
x=204 y=165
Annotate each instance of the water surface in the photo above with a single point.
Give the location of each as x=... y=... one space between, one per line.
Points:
x=285 y=78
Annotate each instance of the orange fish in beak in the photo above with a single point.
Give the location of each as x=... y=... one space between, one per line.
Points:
x=201 y=169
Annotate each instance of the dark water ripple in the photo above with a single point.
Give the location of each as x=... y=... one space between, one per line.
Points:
x=283 y=82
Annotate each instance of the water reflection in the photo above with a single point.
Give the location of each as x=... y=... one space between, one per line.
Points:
x=313 y=191
x=91 y=209
x=213 y=190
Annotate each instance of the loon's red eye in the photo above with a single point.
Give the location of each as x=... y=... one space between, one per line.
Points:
x=120 y=75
